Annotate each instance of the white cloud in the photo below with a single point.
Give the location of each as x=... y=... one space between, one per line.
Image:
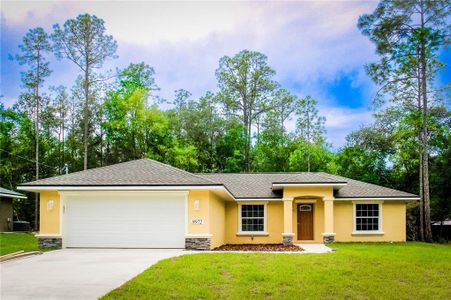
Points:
x=309 y=44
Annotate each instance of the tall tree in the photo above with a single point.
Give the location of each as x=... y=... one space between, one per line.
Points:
x=408 y=35
x=247 y=86
x=61 y=108
x=274 y=143
x=84 y=42
x=309 y=125
x=133 y=128
x=33 y=54
x=35 y=45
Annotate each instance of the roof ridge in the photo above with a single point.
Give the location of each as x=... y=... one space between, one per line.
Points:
x=331 y=176
x=252 y=173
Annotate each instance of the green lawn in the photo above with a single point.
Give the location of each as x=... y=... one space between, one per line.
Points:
x=13 y=242
x=362 y=271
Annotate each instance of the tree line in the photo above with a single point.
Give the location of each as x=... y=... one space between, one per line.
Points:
x=108 y=117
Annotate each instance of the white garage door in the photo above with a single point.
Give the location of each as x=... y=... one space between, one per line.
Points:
x=124 y=220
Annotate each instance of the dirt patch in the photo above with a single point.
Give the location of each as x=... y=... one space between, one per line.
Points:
x=259 y=247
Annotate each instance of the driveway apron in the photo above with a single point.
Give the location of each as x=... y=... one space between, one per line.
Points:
x=76 y=273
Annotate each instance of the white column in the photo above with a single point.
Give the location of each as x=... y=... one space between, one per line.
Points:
x=288 y=234
x=329 y=233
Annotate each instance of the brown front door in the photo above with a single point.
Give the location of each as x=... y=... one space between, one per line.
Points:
x=305 y=221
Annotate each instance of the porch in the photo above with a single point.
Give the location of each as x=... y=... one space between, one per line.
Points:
x=308 y=219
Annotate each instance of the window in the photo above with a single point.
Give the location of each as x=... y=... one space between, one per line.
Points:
x=367 y=217
x=253 y=218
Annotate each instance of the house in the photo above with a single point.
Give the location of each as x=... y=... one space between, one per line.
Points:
x=6 y=208
x=148 y=204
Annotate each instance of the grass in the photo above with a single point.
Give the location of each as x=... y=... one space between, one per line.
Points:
x=356 y=271
x=13 y=242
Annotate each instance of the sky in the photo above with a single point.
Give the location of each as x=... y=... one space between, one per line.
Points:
x=314 y=47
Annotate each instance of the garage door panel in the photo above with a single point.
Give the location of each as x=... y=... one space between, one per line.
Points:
x=125 y=221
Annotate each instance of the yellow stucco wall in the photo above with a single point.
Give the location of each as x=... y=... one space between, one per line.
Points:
x=308 y=191
x=393 y=222
x=274 y=224
x=220 y=217
x=217 y=220
x=202 y=213
x=49 y=218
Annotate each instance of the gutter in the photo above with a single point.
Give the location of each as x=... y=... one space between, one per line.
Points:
x=12 y=196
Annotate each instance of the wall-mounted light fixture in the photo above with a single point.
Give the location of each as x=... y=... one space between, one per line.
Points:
x=196 y=204
x=50 y=205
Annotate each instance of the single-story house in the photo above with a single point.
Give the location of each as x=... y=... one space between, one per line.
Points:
x=148 y=204
x=6 y=208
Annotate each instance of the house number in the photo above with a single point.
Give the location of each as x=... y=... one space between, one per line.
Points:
x=197 y=221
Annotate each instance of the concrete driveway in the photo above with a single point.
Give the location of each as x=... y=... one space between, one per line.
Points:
x=75 y=273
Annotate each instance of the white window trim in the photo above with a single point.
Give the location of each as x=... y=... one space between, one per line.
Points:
x=380 y=220
x=265 y=222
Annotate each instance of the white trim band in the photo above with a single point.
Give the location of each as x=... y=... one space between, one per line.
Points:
x=376 y=199
x=328 y=234
x=367 y=233
x=50 y=235
x=252 y=233
x=198 y=235
x=281 y=185
x=287 y=234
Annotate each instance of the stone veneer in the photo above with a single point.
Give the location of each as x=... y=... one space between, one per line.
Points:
x=288 y=239
x=197 y=243
x=50 y=242
x=328 y=238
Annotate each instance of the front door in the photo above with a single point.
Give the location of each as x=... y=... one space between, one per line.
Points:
x=305 y=221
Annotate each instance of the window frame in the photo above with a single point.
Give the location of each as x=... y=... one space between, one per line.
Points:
x=265 y=219
x=380 y=219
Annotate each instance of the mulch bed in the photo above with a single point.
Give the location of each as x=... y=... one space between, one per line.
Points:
x=259 y=247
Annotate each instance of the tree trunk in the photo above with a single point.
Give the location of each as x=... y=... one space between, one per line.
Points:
x=246 y=138
x=420 y=140
x=421 y=192
x=425 y=137
x=36 y=133
x=86 y=120
x=62 y=140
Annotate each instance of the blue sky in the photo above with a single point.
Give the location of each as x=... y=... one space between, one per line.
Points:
x=315 y=47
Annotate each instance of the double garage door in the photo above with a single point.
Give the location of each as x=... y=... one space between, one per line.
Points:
x=124 y=220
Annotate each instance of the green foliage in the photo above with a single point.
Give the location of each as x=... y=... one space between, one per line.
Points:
x=184 y=158
x=360 y=164
x=406 y=34
x=83 y=41
x=14 y=242
x=34 y=48
x=272 y=152
x=311 y=158
x=309 y=126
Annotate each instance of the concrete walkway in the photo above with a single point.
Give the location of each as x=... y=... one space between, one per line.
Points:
x=316 y=248
x=75 y=273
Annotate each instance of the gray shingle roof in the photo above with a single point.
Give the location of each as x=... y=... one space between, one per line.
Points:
x=147 y=172
x=259 y=185
x=10 y=194
x=136 y=172
x=356 y=189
